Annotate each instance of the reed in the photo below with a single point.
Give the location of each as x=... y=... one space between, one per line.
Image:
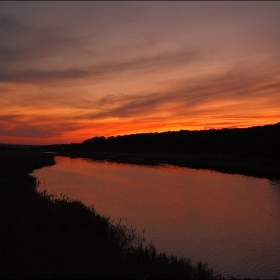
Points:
x=43 y=236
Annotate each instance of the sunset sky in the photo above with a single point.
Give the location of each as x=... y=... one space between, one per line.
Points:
x=74 y=70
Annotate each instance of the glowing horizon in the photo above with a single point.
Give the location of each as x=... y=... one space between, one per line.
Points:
x=74 y=70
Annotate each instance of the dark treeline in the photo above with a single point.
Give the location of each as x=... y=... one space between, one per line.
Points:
x=257 y=141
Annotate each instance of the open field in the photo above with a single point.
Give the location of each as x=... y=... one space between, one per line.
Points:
x=47 y=237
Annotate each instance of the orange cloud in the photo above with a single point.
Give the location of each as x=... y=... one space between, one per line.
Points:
x=62 y=82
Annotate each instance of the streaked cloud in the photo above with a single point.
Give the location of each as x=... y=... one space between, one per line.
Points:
x=24 y=49
x=72 y=70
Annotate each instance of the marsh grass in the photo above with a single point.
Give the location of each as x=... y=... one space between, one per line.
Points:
x=49 y=237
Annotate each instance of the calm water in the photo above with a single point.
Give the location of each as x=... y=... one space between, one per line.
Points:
x=230 y=221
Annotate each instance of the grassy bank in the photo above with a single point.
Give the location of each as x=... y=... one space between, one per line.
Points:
x=261 y=167
x=47 y=237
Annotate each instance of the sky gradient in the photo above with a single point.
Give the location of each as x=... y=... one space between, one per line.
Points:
x=74 y=70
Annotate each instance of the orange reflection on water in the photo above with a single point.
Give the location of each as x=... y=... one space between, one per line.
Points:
x=230 y=221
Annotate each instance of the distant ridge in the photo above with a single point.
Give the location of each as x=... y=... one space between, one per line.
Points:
x=5 y=146
x=21 y=145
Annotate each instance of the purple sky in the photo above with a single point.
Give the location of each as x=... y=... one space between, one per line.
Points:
x=74 y=70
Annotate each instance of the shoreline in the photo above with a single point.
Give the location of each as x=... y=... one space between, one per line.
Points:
x=256 y=167
x=47 y=237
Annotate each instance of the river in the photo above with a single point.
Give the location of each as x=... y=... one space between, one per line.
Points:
x=230 y=221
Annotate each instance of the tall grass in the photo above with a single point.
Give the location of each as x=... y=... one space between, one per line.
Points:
x=44 y=236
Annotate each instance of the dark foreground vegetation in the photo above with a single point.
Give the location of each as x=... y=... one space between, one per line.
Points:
x=48 y=237
x=42 y=236
x=251 y=151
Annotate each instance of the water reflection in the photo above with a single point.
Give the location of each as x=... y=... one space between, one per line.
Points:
x=230 y=221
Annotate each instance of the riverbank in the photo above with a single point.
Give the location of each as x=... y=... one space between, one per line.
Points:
x=47 y=237
x=260 y=167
